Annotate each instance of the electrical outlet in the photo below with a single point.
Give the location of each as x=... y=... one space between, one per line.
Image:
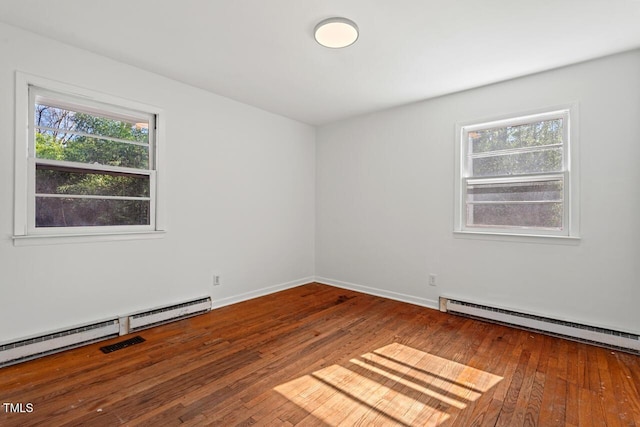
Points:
x=432 y=279
x=216 y=280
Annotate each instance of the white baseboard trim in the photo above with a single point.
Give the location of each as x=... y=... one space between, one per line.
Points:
x=411 y=299
x=424 y=302
x=217 y=303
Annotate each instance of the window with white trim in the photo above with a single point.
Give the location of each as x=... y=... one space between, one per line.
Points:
x=515 y=176
x=90 y=167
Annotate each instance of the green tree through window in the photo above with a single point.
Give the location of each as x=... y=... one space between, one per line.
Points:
x=87 y=168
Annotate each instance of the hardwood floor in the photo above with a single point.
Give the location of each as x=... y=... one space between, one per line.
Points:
x=318 y=355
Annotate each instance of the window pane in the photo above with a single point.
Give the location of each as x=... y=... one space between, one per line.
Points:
x=94 y=124
x=65 y=212
x=533 y=215
x=53 y=180
x=60 y=146
x=516 y=192
x=515 y=164
x=546 y=132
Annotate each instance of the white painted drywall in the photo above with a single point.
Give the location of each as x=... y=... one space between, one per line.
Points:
x=240 y=202
x=385 y=200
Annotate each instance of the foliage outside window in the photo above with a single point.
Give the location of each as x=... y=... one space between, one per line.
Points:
x=515 y=176
x=91 y=165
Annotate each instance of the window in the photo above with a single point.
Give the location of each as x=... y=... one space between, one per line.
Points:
x=91 y=166
x=515 y=176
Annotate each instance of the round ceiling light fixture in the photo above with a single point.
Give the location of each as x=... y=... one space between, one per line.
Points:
x=336 y=33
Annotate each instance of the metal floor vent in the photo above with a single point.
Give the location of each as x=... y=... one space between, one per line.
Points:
x=570 y=330
x=122 y=344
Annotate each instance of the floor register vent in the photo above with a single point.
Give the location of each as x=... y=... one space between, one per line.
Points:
x=574 y=331
x=122 y=344
x=60 y=340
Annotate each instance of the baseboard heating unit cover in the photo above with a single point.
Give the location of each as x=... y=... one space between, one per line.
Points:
x=161 y=315
x=574 y=331
x=53 y=342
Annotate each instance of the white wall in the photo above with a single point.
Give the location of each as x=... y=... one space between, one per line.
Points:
x=240 y=202
x=384 y=208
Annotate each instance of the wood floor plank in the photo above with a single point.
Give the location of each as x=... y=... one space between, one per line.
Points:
x=319 y=355
x=476 y=411
x=609 y=403
x=549 y=414
x=524 y=397
x=622 y=389
x=572 y=403
x=515 y=386
x=490 y=414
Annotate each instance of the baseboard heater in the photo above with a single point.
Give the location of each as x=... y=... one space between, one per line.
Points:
x=161 y=315
x=54 y=342
x=574 y=331
x=60 y=340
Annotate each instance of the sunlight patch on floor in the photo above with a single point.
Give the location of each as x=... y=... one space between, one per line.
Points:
x=393 y=385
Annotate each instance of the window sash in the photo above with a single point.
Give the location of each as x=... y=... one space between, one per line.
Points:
x=524 y=180
x=31 y=200
x=560 y=114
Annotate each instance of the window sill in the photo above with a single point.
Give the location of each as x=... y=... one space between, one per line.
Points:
x=59 y=239
x=523 y=238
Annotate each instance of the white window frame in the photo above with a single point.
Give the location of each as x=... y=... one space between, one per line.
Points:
x=569 y=175
x=25 y=230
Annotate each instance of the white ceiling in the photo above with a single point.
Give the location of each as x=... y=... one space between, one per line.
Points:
x=262 y=52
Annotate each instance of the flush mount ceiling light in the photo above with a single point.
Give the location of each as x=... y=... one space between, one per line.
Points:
x=336 y=33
